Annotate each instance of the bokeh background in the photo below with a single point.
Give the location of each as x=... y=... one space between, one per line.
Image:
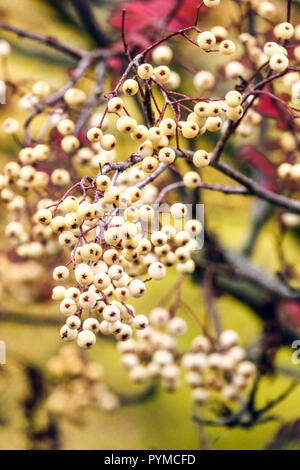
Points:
x=29 y=323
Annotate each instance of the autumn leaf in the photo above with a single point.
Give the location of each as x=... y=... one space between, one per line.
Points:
x=151 y=15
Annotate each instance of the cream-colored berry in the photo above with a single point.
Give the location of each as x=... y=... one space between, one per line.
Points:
x=233 y=98
x=229 y=338
x=162 y=73
x=10 y=126
x=86 y=339
x=130 y=87
x=58 y=292
x=234 y=69
x=159 y=238
x=189 y=129
x=70 y=143
x=191 y=179
x=140 y=133
x=177 y=326
x=214 y=108
x=87 y=300
x=157 y=271
x=44 y=216
x=73 y=322
x=162 y=55
x=140 y=322
x=115 y=105
x=91 y=324
x=201 y=159
x=73 y=293
x=70 y=204
x=200 y=109
x=75 y=97
x=227 y=47
x=67 y=334
x=111 y=313
x=178 y=210
x=279 y=62
x=284 y=171
x=211 y=3
x=65 y=126
x=204 y=80
x=246 y=369
x=219 y=32
x=126 y=124
x=41 y=89
x=41 y=152
x=103 y=182
x=235 y=113
x=168 y=127
x=125 y=334
x=108 y=142
x=145 y=71
x=284 y=31
x=68 y=307
x=166 y=155
x=137 y=288
x=271 y=48
x=94 y=134
x=84 y=274
x=5 y=48
x=213 y=124
x=174 y=81
x=58 y=224
x=150 y=164
x=60 y=177
x=206 y=40
x=115 y=272
x=267 y=10
x=61 y=273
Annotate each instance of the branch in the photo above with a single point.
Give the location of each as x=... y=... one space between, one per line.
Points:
x=287 y=203
x=94 y=97
x=289 y=10
x=46 y=40
x=253 y=188
x=225 y=189
x=248 y=416
x=120 y=166
x=28 y=319
x=261 y=214
x=250 y=284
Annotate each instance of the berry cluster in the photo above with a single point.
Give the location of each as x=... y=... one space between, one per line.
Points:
x=217 y=366
x=214 y=365
x=110 y=254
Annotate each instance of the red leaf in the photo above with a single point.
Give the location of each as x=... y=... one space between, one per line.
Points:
x=290 y=309
x=268 y=107
x=261 y=163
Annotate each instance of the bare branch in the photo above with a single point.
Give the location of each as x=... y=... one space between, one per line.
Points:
x=46 y=40
x=84 y=11
x=253 y=188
